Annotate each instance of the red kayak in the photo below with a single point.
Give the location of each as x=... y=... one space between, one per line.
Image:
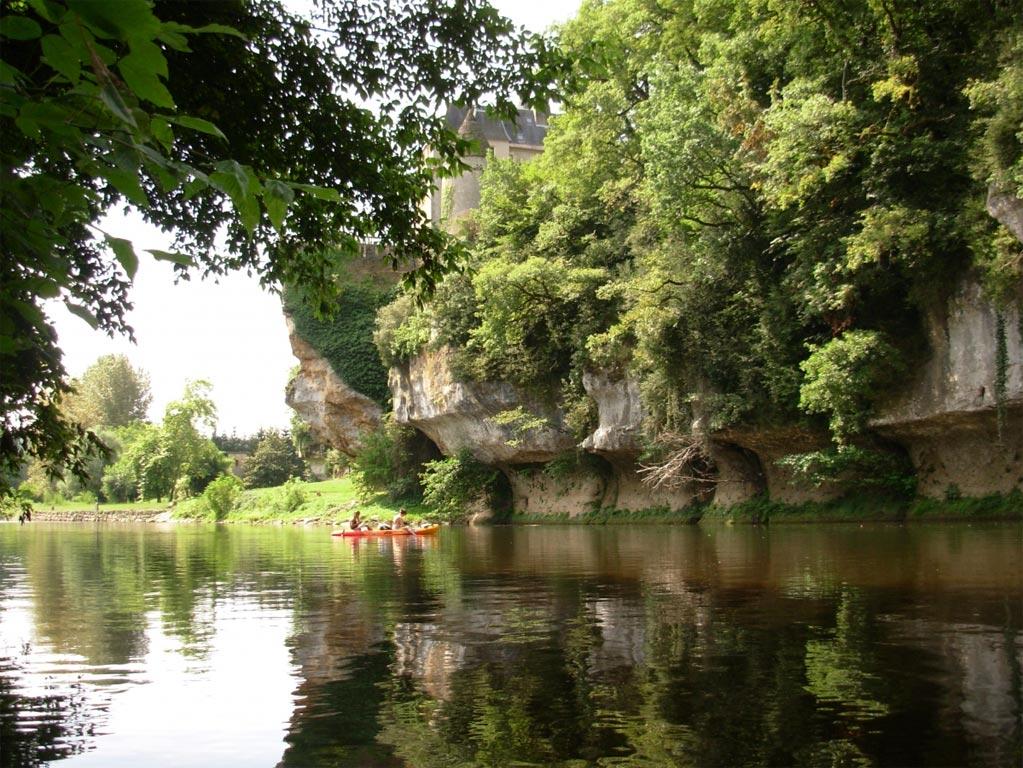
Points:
x=427 y=531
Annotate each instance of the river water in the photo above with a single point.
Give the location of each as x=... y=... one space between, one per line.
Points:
x=829 y=645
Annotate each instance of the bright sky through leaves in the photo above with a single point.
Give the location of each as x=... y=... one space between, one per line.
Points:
x=231 y=333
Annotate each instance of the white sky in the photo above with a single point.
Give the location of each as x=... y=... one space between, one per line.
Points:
x=232 y=332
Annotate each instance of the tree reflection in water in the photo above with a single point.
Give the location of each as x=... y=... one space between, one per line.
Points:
x=565 y=646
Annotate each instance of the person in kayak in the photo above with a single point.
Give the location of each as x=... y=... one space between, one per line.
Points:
x=400 y=521
x=356 y=523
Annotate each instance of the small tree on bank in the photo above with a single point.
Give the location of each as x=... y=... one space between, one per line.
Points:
x=273 y=462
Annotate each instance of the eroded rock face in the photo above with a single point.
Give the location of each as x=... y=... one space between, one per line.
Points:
x=745 y=461
x=537 y=492
x=337 y=415
x=947 y=416
x=1007 y=209
x=620 y=415
x=457 y=415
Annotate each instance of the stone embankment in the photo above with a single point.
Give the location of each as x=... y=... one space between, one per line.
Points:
x=103 y=516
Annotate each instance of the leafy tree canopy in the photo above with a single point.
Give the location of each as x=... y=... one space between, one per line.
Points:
x=220 y=118
x=111 y=393
x=749 y=205
x=173 y=460
x=273 y=462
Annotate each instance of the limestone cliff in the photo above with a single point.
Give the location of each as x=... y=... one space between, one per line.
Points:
x=337 y=415
x=458 y=415
x=948 y=415
x=946 y=418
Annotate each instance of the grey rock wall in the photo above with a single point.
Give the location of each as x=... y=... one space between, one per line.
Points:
x=458 y=415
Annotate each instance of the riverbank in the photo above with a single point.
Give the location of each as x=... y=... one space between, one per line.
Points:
x=327 y=502
x=330 y=502
x=996 y=507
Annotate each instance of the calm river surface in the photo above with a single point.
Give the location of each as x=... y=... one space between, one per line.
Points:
x=559 y=646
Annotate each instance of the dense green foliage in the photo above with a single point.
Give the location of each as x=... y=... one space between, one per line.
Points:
x=387 y=461
x=273 y=462
x=218 y=500
x=748 y=205
x=344 y=337
x=174 y=460
x=458 y=486
x=213 y=119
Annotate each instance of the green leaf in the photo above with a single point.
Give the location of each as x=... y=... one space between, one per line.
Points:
x=140 y=71
x=216 y=29
x=132 y=19
x=235 y=176
x=178 y=258
x=9 y=75
x=148 y=55
x=83 y=313
x=321 y=193
x=49 y=10
x=127 y=183
x=44 y=289
x=113 y=101
x=48 y=115
x=19 y=28
x=197 y=124
x=162 y=132
x=125 y=253
x=277 y=196
x=62 y=57
x=173 y=40
x=241 y=185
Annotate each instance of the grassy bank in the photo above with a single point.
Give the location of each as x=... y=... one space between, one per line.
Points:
x=83 y=506
x=327 y=501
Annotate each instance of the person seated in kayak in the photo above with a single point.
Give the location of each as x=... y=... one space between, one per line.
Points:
x=400 y=521
x=356 y=523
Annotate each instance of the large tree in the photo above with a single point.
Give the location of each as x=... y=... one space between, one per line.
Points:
x=111 y=393
x=228 y=118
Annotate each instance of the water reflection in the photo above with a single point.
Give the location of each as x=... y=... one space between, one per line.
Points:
x=805 y=646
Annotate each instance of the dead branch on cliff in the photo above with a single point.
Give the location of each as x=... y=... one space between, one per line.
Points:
x=684 y=460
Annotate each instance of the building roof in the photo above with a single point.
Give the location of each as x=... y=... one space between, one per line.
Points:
x=529 y=128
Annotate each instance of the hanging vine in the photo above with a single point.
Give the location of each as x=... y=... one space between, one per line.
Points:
x=1001 y=372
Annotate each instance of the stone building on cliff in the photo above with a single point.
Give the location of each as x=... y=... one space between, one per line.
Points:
x=519 y=139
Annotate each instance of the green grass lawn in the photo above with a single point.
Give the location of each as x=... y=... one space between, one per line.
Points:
x=328 y=501
x=325 y=501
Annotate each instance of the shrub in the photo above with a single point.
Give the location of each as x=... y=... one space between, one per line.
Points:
x=336 y=463
x=401 y=330
x=386 y=462
x=288 y=498
x=120 y=481
x=458 y=486
x=846 y=376
x=221 y=495
x=886 y=472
